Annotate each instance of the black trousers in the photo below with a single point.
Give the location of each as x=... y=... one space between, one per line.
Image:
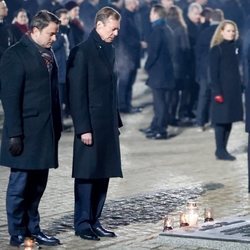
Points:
x=161 y=106
x=24 y=192
x=222 y=132
x=90 y=196
x=203 y=107
x=125 y=87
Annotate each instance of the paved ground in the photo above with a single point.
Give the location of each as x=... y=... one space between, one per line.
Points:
x=159 y=177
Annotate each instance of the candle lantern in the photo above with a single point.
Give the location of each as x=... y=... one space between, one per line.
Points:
x=208 y=214
x=168 y=223
x=29 y=244
x=183 y=220
x=192 y=213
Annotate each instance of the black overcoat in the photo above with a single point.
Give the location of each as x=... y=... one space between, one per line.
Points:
x=93 y=103
x=159 y=64
x=226 y=81
x=31 y=107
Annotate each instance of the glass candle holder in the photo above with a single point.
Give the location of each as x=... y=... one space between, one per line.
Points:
x=29 y=244
x=208 y=214
x=192 y=213
x=183 y=220
x=168 y=223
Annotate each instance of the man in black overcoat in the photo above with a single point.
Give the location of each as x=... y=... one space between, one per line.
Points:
x=32 y=126
x=159 y=66
x=93 y=104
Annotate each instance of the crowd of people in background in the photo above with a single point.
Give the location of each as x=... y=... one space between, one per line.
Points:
x=178 y=72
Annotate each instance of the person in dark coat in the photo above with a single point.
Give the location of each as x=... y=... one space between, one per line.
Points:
x=225 y=85
x=190 y=91
x=180 y=60
x=32 y=126
x=76 y=25
x=160 y=70
x=20 y=24
x=128 y=56
x=6 y=36
x=88 y=9
x=93 y=105
x=202 y=62
x=61 y=48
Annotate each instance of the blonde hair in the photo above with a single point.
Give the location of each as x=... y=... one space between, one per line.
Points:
x=218 y=38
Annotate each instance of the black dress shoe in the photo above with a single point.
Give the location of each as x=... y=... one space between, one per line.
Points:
x=145 y=130
x=87 y=234
x=46 y=240
x=17 y=240
x=224 y=155
x=102 y=232
x=156 y=136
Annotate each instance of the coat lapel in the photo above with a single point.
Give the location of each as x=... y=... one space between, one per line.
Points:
x=34 y=51
x=107 y=62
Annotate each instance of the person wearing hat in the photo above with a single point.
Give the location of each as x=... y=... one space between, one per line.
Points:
x=75 y=23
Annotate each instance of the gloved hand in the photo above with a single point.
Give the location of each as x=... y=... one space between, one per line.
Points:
x=16 y=145
x=219 y=98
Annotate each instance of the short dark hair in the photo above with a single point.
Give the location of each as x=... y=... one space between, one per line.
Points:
x=160 y=10
x=42 y=19
x=104 y=13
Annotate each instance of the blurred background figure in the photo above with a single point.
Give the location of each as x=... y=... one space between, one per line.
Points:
x=51 y=5
x=75 y=23
x=20 y=24
x=61 y=48
x=160 y=71
x=88 y=9
x=180 y=60
x=6 y=36
x=205 y=17
x=226 y=106
x=128 y=56
x=191 y=88
x=202 y=64
x=116 y=4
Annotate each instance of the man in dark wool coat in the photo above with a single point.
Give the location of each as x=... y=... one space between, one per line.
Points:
x=32 y=126
x=93 y=103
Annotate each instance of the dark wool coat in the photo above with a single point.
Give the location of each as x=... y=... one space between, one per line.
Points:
x=93 y=103
x=226 y=81
x=129 y=47
x=159 y=63
x=31 y=107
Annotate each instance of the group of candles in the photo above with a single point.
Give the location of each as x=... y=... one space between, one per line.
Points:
x=29 y=244
x=189 y=218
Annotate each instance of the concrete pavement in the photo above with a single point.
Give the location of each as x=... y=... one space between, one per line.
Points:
x=159 y=177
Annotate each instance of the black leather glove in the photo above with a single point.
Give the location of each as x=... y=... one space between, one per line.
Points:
x=16 y=145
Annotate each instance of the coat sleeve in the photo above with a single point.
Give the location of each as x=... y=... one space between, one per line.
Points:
x=214 y=70
x=77 y=82
x=154 y=44
x=12 y=80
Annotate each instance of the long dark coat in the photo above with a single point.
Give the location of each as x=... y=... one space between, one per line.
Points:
x=225 y=81
x=93 y=103
x=159 y=64
x=31 y=108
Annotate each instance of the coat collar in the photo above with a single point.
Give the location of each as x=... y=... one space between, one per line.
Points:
x=33 y=49
x=102 y=46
